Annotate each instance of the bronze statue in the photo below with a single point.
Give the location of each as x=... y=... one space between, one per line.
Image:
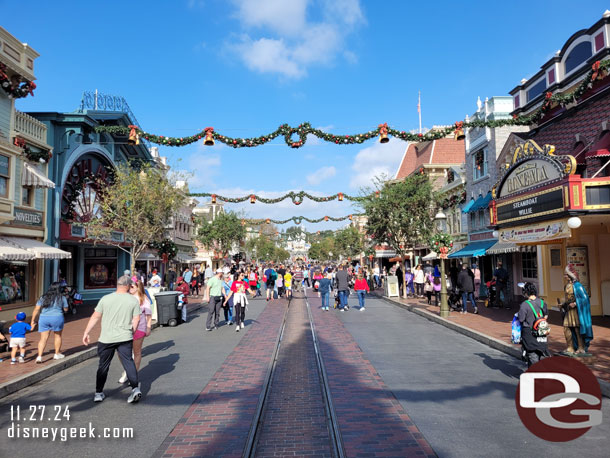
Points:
x=576 y=310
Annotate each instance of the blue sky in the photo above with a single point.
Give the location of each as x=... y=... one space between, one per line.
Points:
x=247 y=66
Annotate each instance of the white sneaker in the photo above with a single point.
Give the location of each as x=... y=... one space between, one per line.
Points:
x=242 y=325
x=237 y=328
x=39 y=359
x=135 y=395
x=123 y=379
x=58 y=356
x=21 y=360
x=99 y=397
x=362 y=309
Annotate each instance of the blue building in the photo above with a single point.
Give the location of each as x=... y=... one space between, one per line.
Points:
x=80 y=155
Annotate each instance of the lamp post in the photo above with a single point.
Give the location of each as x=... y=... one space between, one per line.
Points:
x=441 y=226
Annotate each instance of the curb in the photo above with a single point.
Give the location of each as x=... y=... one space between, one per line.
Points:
x=478 y=336
x=47 y=371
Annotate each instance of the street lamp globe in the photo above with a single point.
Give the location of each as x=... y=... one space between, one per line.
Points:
x=441 y=221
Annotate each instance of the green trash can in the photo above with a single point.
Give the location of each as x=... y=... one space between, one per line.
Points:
x=167 y=308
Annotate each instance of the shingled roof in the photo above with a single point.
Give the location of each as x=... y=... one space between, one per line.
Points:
x=442 y=151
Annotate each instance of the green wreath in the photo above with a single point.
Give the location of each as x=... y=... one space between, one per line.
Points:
x=167 y=247
x=440 y=240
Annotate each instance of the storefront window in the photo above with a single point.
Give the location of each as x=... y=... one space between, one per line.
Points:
x=100 y=268
x=529 y=265
x=479 y=164
x=4 y=175
x=26 y=196
x=14 y=277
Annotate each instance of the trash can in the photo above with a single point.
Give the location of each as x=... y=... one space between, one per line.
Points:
x=391 y=286
x=167 y=308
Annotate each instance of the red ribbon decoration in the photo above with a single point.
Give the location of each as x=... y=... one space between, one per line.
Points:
x=383 y=128
x=595 y=68
x=132 y=132
x=459 y=126
x=31 y=87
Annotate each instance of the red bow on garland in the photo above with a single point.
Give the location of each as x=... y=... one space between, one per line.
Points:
x=597 y=73
x=383 y=128
x=31 y=87
x=459 y=126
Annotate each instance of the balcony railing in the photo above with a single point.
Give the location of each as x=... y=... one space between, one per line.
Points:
x=30 y=128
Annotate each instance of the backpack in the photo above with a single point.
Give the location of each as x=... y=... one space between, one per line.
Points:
x=252 y=277
x=436 y=281
x=515 y=335
x=541 y=326
x=273 y=275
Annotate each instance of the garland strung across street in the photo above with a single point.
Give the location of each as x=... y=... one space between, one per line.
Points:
x=297 y=220
x=296 y=197
x=296 y=137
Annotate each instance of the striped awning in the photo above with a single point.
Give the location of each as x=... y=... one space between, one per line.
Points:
x=184 y=258
x=39 y=250
x=509 y=247
x=9 y=252
x=31 y=176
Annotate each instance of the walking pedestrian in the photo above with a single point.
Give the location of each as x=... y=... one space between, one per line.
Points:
x=435 y=281
x=17 y=331
x=501 y=277
x=270 y=276
x=409 y=282
x=477 y=281
x=187 y=275
x=288 y=284
x=119 y=313
x=342 y=280
x=171 y=278
x=196 y=282
x=214 y=292
x=144 y=325
x=535 y=346
x=240 y=301
x=297 y=279
x=361 y=287
x=51 y=308
x=325 y=285
x=401 y=278
x=184 y=291
x=465 y=283
x=306 y=274
x=206 y=276
x=227 y=298
x=419 y=279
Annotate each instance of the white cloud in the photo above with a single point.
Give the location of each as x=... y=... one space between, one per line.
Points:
x=321 y=174
x=377 y=160
x=278 y=38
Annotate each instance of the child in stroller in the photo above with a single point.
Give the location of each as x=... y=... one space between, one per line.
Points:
x=454 y=299
x=491 y=294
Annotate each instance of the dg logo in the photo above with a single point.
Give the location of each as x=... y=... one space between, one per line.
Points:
x=559 y=399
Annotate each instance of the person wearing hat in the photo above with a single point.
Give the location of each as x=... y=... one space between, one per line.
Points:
x=214 y=292
x=576 y=311
x=18 y=331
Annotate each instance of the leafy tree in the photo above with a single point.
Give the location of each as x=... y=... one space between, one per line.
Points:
x=349 y=242
x=402 y=215
x=139 y=203
x=280 y=254
x=320 y=250
x=222 y=233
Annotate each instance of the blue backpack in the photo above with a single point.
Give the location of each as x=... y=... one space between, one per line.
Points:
x=515 y=335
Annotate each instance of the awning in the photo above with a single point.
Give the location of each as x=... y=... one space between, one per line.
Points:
x=481 y=203
x=40 y=250
x=184 y=258
x=474 y=249
x=147 y=256
x=467 y=207
x=31 y=176
x=503 y=247
x=9 y=252
x=430 y=256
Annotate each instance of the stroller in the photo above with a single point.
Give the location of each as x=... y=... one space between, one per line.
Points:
x=491 y=293
x=73 y=297
x=454 y=299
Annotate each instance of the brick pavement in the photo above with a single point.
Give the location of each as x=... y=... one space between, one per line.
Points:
x=371 y=420
x=294 y=420
x=496 y=323
x=218 y=422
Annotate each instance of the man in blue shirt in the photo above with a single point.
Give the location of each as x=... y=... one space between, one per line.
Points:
x=270 y=276
x=187 y=276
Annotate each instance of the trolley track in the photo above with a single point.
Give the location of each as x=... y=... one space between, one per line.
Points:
x=264 y=423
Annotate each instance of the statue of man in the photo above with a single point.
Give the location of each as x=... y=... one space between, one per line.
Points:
x=576 y=310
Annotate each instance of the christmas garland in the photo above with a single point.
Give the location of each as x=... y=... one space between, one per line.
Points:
x=296 y=137
x=296 y=197
x=16 y=90
x=453 y=199
x=297 y=220
x=42 y=156
x=167 y=247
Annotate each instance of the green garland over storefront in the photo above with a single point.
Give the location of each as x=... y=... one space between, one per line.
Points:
x=296 y=197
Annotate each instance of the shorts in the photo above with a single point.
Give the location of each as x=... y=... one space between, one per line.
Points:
x=51 y=323
x=17 y=342
x=138 y=335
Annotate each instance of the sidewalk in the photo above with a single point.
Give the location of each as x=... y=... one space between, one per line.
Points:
x=17 y=376
x=496 y=324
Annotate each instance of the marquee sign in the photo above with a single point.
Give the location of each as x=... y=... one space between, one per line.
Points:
x=529 y=206
x=532 y=167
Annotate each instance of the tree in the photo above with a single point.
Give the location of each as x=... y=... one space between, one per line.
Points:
x=321 y=250
x=402 y=215
x=349 y=242
x=222 y=233
x=140 y=203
